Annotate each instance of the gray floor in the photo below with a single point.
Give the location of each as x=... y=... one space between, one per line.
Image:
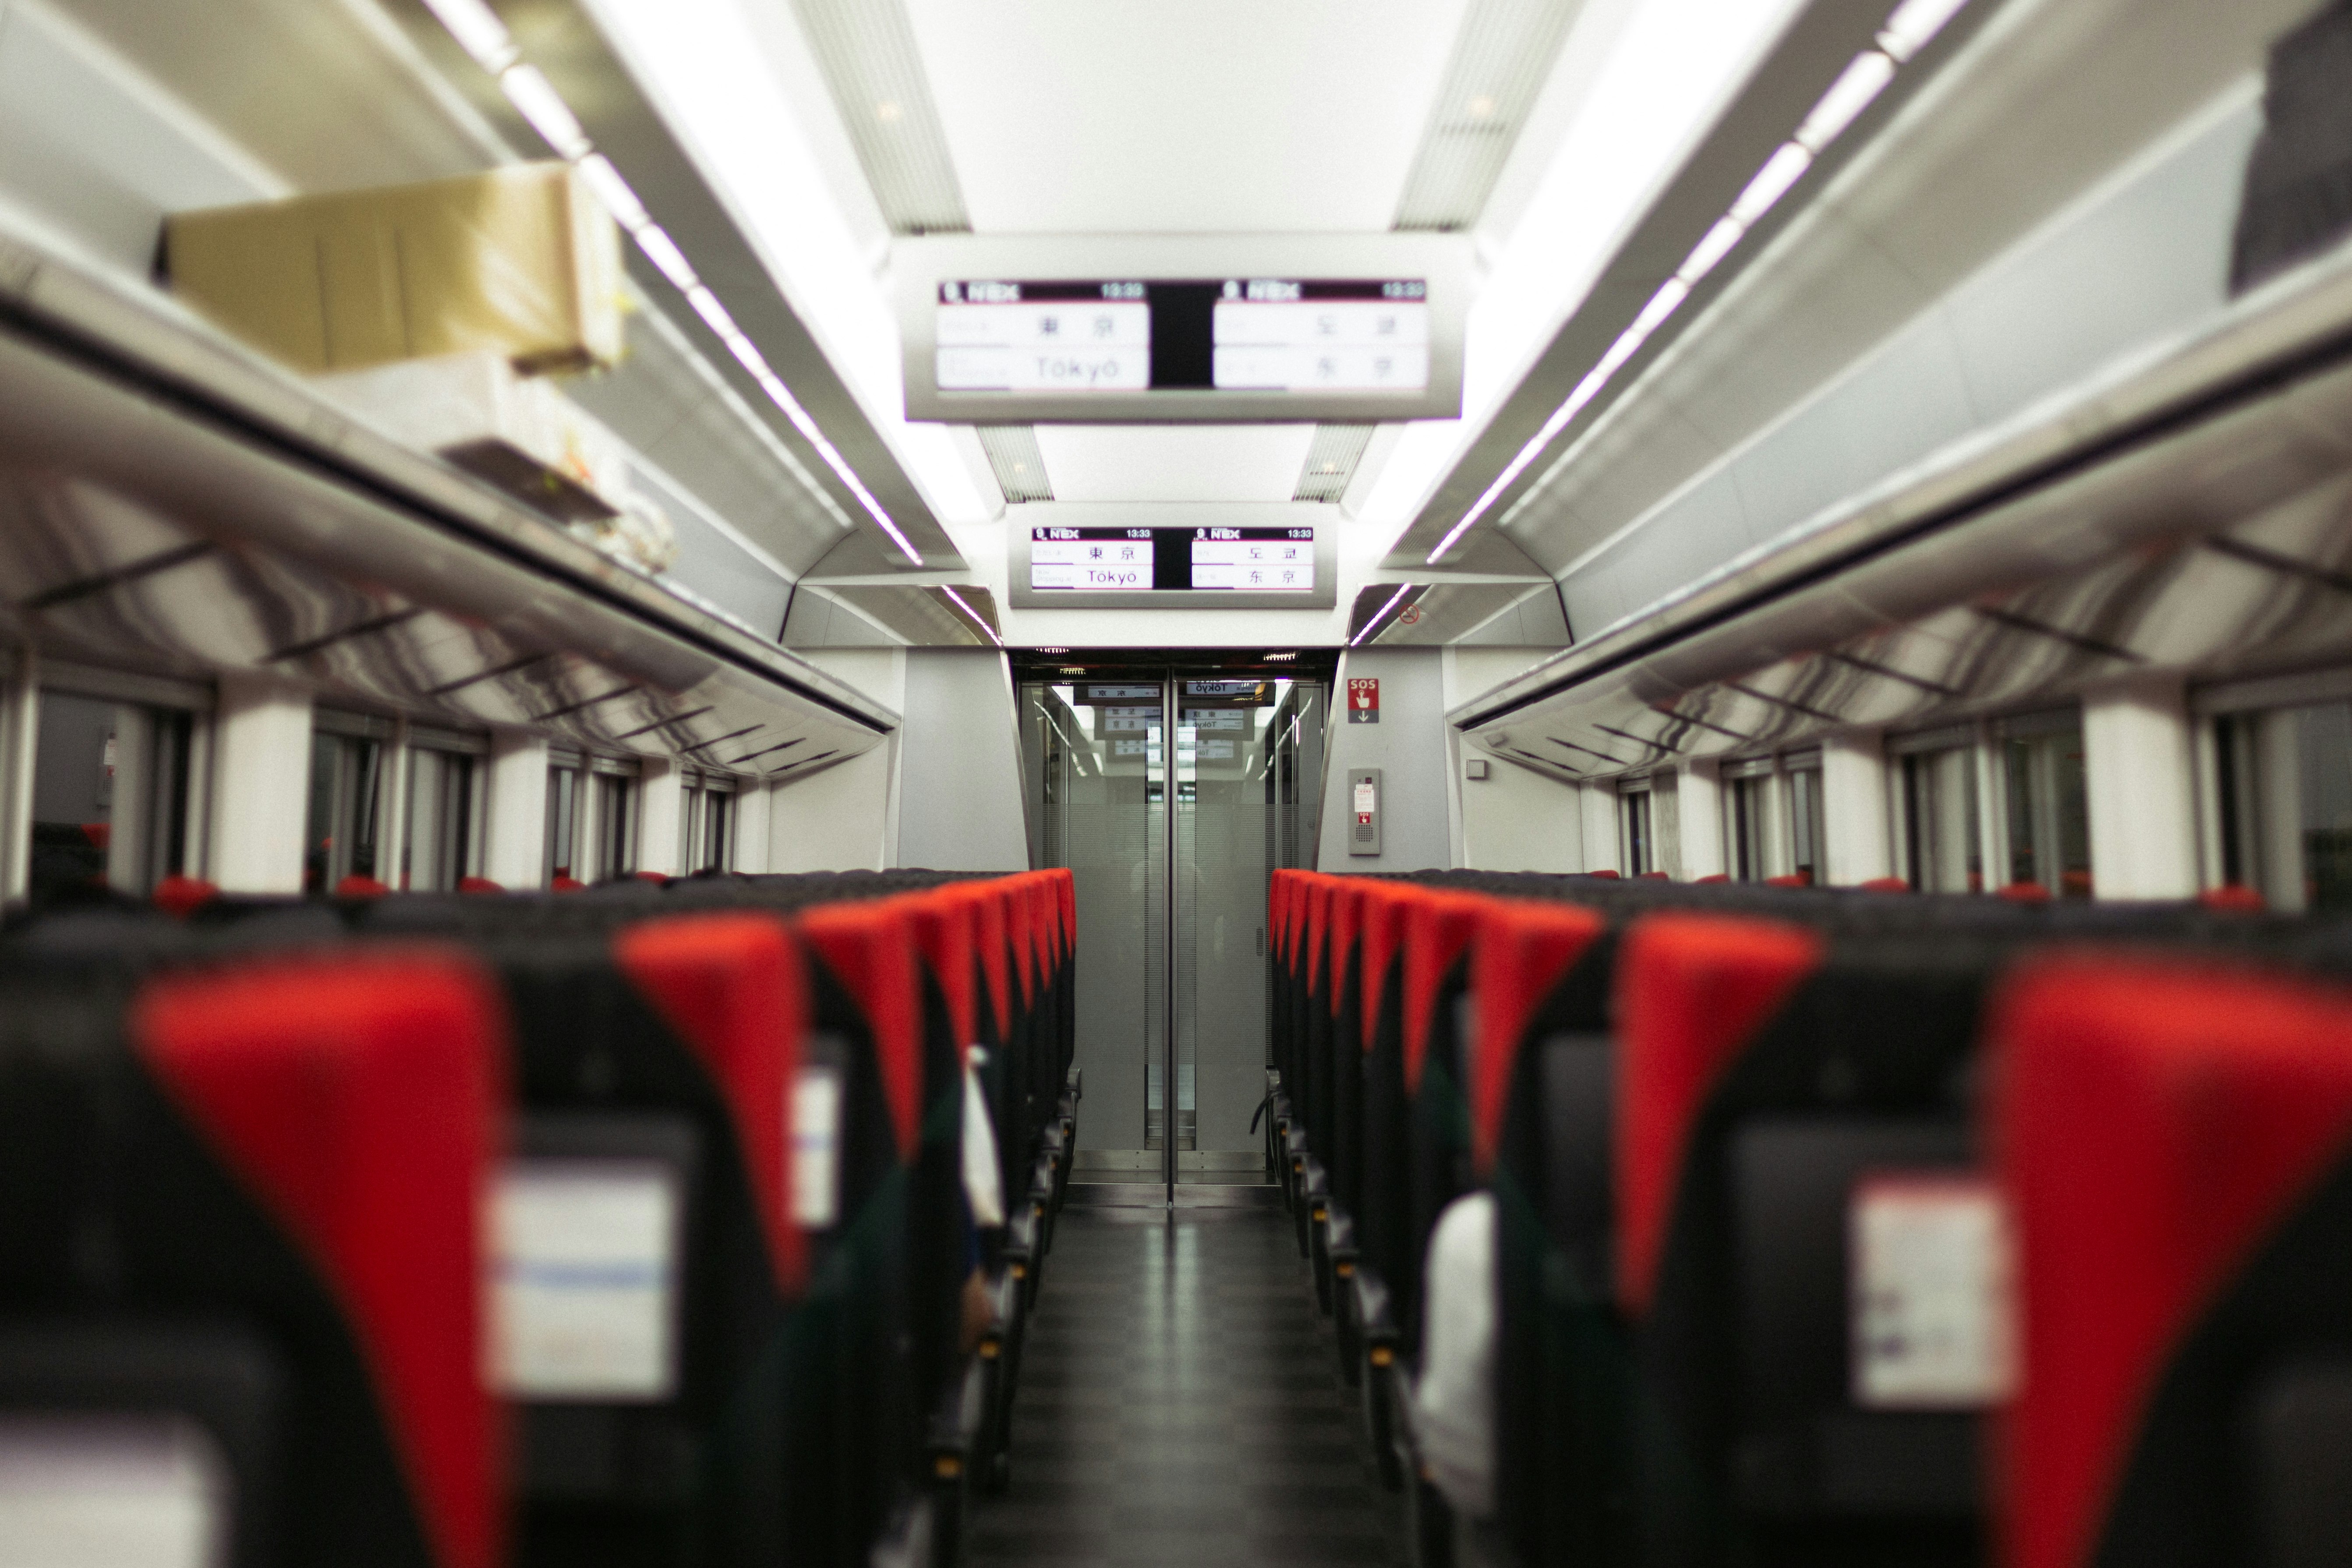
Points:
x=1181 y=1404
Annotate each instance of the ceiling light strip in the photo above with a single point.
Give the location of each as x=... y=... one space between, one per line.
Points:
x=1379 y=615
x=484 y=37
x=967 y=609
x=1907 y=30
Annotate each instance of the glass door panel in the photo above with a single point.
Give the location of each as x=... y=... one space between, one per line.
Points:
x=1172 y=993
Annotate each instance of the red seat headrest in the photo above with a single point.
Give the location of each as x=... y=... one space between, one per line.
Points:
x=1521 y=950
x=180 y=897
x=1383 y=933
x=1438 y=927
x=356 y=886
x=1692 y=991
x=941 y=920
x=1319 y=926
x=479 y=885
x=992 y=938
x=2153 y=1125
x=1279 y=895
x=359 y=1097
x=871 y=951
x=1346 y=914
x=2234 y=898
x=1886 y=885
x=730 y=985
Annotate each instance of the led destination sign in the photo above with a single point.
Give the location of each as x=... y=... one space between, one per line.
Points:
x=1172 y=560
x=1178 y=329
x=1233 y=334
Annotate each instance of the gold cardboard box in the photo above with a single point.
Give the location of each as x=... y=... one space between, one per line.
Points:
x=521 y=261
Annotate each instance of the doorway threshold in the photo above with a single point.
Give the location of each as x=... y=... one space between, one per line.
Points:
x=1189 y=1194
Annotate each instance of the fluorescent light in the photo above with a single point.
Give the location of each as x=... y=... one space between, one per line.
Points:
x=1913 y=23
x=1653 y=75
x=1784 y=169
x=535 y=98
x=1379 y=615
x=1716 y=245
x=663 y=252
x=711 y=68
x=967 y=610
x=1848 y=96
x=714 y=316
x=614 y=193
x=477 y=30
x=1664 y=303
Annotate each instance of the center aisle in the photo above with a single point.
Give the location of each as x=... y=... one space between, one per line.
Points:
x=1181 y=1402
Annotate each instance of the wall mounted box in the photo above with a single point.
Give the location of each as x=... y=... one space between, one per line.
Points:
x=519 y=434
x=520 y=262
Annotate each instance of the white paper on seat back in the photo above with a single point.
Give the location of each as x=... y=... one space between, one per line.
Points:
x=1931 y=1311
x=110 y=1491
x=586 y=1280
x=817 y=1146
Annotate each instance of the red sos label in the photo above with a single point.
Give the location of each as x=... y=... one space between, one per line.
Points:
x=1363 y=699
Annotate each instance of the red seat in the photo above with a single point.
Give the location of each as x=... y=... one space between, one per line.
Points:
x=2177 y=1147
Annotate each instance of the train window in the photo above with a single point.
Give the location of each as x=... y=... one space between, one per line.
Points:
x=1637 y=845
x=1803 y=778
x=1751 y=827
x=706 y=823
x=565 y=806
x=2284 y=788
x=615 y=845
x=1943 y=849
x=441 y=842
x=2046 y=807
x=111 y=783
x=343 y=830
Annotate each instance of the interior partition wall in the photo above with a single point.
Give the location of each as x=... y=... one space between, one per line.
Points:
x=1173 y=794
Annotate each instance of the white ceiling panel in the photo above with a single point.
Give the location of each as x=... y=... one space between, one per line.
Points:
x=1065 y=116
x=1173 y=462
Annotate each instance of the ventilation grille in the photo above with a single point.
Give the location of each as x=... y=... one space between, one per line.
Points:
x=866 y=50
x=1331 y=459
x=1020 y=466
x=1500 y=60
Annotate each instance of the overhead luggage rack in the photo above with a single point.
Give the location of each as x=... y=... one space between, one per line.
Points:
x=354 y=561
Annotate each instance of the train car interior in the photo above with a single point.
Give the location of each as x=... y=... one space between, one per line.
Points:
x=880 y=783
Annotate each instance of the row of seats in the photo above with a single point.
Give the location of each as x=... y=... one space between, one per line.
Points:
x=686 y=1223
x=1695 y=1225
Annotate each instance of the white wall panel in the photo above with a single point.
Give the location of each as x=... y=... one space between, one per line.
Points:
x=1698 y=821
x=845 y=818
x=1598 y=803
x=1408 y=745
x=2139 y=771
x=661 y=803
x=514 y=853
x=1856 y=846
x=960 y=764
x=261 y=783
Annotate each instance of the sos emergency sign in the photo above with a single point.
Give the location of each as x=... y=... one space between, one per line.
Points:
x=1363 y=699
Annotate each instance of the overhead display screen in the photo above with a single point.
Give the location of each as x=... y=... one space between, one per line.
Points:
x=1171 y=560
x=1147 y=329
x=1237 y=334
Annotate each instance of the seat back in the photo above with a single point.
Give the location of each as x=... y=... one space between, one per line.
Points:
x=251 y=1199
x=2176 y=1142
